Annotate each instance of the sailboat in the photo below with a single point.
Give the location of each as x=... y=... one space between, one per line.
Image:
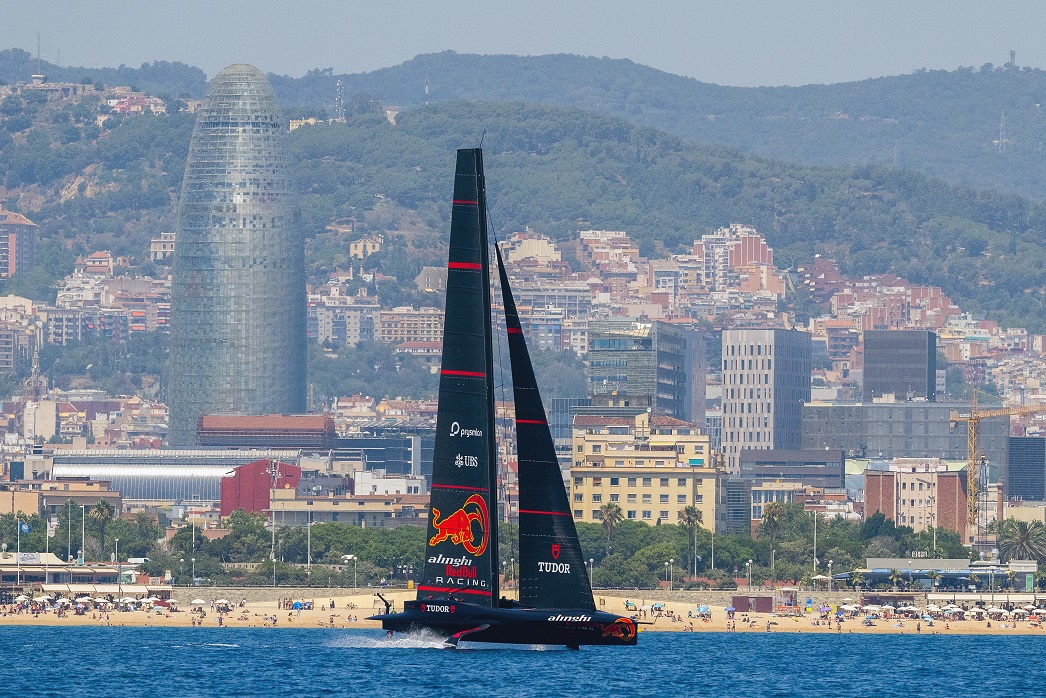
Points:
x=458 y=593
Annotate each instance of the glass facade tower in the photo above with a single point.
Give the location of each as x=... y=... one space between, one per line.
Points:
x=238 y=287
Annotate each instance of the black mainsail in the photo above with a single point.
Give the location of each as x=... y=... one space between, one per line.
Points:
x=461 y=559
x=552 y=571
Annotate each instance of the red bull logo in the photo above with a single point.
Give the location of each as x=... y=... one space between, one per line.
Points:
x=459 y=526
x=622 y=629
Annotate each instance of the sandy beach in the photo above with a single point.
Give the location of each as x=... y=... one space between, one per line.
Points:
x=351 y=611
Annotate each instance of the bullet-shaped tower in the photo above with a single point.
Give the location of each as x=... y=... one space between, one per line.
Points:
x=238 y=287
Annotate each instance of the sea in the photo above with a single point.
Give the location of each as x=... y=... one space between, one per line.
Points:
x=163 y=662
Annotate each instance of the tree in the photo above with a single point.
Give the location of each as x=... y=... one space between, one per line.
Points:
x=895 y=578
x=690 y=517
x=101 y=516
x=856 y=580
x=773 y=515
x=1021 y=540
x=611 y=516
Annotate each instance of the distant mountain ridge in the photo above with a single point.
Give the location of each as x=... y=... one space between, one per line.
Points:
x=982 y=128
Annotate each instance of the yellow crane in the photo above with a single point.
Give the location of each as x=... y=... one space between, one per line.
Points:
x=975 y=459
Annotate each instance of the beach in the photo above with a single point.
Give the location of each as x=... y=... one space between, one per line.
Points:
x=350 y=611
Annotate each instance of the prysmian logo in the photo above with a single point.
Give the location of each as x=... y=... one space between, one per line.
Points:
x=456 y=430
x=570 y=619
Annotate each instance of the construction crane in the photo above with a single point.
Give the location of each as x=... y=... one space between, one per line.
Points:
x=975 y=460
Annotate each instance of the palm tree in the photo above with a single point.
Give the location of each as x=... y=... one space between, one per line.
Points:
x=773 y=515
x=895 y=578
x=690 y=517
x=856 y=580
x=102 y=515
x=934 y=575
x=1021 y=540
x=611 y=516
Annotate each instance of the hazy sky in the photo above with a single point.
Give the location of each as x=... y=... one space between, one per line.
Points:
x=734 y=42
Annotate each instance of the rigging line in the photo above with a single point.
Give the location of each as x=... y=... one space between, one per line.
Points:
x=500 y=385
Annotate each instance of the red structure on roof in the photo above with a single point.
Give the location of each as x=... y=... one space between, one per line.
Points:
x=249 y=486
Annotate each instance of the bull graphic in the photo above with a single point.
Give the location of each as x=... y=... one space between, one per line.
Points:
x=622 y=629
x=457 y=527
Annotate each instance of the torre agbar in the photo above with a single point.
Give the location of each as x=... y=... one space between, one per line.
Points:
x=238 y=287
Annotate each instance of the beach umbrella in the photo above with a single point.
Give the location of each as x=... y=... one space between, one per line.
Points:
x=927 y=617
x=198 y=602
x=153 y=599
x=128 y=599
x=101 y=600
x=64 y=602
x=1029 y=607
x=729 y=609
x=847 y=599
x=84 y=599
x=21 y=597
x=702 y=609
x=995 y=609
x=222 y=602
x=44 y=597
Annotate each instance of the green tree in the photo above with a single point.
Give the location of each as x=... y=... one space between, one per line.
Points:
x=101 y=515
x=773 y=515
x=1021 y=540
x=690 y=519
x=895 y=578
x=611 y=517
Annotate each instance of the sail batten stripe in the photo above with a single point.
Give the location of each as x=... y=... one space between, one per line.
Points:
x=460 y=487
x=466 y=202
x=469 y=266
x=546 y=513
x=531 y=421
x=515 y=330
x=464 y=374
x=455 y=590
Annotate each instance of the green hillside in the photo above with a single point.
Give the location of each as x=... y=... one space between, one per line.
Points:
x=553 y=169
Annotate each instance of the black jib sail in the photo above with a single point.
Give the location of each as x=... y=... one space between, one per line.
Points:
x=552 y=571
x=461 y=551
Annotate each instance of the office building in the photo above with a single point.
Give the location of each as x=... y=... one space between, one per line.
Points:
x=238 y=286
x=766 y=381
x=1027 y=468
x=902 y=363
x=917 y=492
x=18 y=238
x=814 y=468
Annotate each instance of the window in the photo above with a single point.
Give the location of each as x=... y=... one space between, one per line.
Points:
x=597 y=514
x=631 y=499
x=578 y=514
x=614 y=497
x=579 y=481
x=631 y=513
x=640 y=463
x=631 y=482
x=597 y=498
x=664 y=499
x=682 y=482
x=597 y=448
x=597 y=482
x=580 y=449
x=664 y=482
x=647 y=514
x=680 y=499
x=647 y=481
x=578 y=497
x=647 y=498
x=663 y=514
x=698 y=498
x=615 y=481
x=659 y=463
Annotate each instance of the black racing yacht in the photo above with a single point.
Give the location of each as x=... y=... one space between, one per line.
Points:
x=458 y=594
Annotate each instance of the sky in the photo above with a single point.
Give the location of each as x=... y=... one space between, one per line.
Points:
x=738 y=42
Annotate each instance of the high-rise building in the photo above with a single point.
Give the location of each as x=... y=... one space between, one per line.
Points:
x=1027 y=468
x=653 y=364
x=18 y=237
x=900 y=362
x=766 y=381
x=238 y=292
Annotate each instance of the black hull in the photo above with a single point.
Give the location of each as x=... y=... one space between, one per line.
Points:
x=526 y=626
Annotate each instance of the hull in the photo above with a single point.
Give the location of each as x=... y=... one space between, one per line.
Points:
x=513 y=625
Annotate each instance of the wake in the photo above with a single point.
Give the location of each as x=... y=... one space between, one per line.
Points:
x=429 y=640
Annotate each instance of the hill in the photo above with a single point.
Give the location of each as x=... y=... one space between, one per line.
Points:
x=942 y=123
x=553 y=169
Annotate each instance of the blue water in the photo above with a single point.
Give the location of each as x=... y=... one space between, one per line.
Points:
x=162 y=662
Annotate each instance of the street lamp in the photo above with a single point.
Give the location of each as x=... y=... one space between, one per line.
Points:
x=119 y=575
x=749 y=566
x=591 y=564
x=181 y=567
x=909 y=575
x=666 y=573
x=671 y=572
x=829 y=575
x=512 y=568
x=773 y=571
x=193 y=571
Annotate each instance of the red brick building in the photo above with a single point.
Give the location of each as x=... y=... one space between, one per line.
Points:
x=249 y=486
x=18 y=236
x=919 y=493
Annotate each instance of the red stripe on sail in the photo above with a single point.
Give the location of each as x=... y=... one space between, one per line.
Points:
x=460 y=487
x=531 y=421
x=456 y=590
x=471 y=266
x=466 y=202
x=515 y=330
x=546 y=513
x=464 y=374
